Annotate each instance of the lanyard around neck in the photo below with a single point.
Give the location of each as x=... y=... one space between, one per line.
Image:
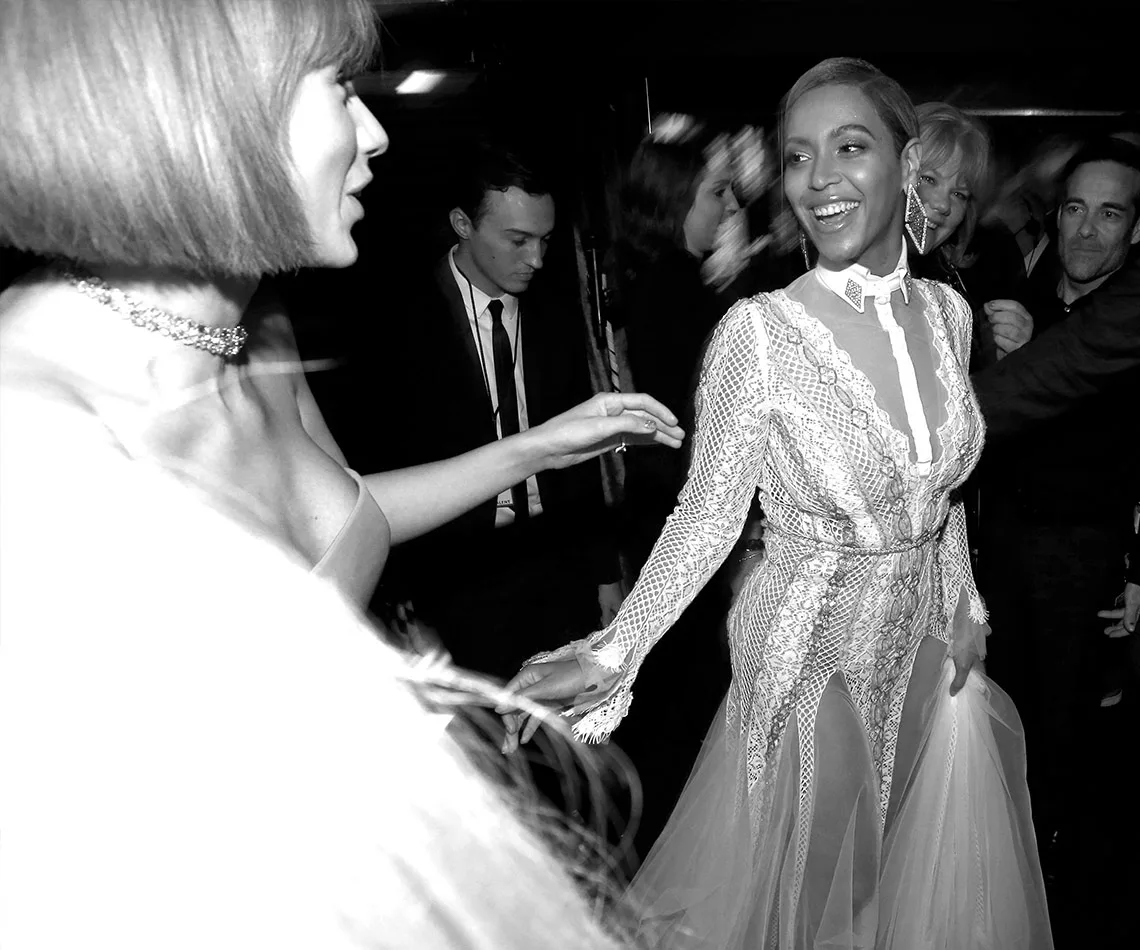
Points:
x=491 y=398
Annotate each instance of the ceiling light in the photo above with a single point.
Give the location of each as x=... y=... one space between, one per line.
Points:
x=420 y=80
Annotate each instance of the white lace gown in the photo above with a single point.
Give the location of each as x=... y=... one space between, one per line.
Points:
x=842 y=798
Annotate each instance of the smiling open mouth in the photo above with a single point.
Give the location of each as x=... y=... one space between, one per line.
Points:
x=834 y=213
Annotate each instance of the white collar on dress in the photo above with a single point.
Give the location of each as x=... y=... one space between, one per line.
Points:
x=855 y=283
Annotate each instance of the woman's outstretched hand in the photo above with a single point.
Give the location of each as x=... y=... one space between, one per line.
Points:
x=556 y=682
x=604 y=422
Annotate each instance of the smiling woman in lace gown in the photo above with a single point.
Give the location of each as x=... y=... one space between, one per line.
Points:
x=863 y=784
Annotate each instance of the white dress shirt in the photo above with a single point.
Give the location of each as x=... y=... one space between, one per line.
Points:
x=479 y=319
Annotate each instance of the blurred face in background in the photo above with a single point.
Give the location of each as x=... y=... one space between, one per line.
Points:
x=503 y=251
x=844 y=178
x=945 y=195
x=1097 y=221
x=713 y=203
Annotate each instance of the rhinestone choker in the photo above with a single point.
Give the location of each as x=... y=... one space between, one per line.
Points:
x=220 y=341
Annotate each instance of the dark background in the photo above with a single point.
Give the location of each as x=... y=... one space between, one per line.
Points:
x=572 y=79
x=579 y=81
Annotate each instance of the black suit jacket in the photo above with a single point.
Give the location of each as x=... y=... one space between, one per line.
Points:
x=1063 y=412
x=1090 y=352
x=440 y=407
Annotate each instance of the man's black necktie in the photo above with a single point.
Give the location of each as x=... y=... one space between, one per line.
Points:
x=508 y=396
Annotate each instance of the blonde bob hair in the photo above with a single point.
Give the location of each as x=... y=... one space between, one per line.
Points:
x=153 y=133
x=946 y=131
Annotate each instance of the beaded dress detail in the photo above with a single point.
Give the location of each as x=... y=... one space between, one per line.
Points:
x=855 y=433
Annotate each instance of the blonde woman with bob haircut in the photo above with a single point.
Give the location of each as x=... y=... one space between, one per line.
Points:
x=956 y=152
x=166 y=154
x=201 y=743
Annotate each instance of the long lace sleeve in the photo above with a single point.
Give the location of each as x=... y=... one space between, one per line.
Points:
x=728 y=445
x=966 y=626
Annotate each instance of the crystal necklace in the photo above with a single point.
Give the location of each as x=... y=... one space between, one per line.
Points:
x=220 y=341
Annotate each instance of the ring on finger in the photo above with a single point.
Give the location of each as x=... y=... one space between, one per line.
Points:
x=621 y=447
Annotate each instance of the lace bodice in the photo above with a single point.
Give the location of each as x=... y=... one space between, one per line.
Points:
x=840 y=785
x=785 y=410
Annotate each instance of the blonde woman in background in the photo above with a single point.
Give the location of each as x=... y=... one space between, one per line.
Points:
x=955 y=182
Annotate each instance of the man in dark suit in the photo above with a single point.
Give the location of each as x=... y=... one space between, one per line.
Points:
x=482 y=356
x=1063 y=431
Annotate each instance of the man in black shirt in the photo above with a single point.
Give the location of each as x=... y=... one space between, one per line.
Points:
x=1063 y=453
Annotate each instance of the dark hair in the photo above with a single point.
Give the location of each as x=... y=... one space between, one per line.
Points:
x=890 y=100
x=1107 y=149
x=658 y=189
x=492 y=166
x=944 y=131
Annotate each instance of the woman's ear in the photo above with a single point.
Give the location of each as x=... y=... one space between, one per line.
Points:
x=460 y=223
x=911 y=161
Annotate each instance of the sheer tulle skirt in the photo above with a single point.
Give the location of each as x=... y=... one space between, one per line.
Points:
x=804 y=863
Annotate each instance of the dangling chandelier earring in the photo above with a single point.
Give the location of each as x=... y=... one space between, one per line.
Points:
x=804 y=251
x=916 y=220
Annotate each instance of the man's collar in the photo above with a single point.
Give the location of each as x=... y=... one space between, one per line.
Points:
x=472 y=294
x=855 y=283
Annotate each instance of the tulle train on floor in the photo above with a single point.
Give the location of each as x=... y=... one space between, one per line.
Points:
x=957 y=866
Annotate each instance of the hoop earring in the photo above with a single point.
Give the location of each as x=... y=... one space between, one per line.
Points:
x=804 y=251
x=916 y=220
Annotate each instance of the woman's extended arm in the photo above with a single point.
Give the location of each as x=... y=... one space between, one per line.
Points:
x=419 y=499
x=416 y=500
x=730 y=440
